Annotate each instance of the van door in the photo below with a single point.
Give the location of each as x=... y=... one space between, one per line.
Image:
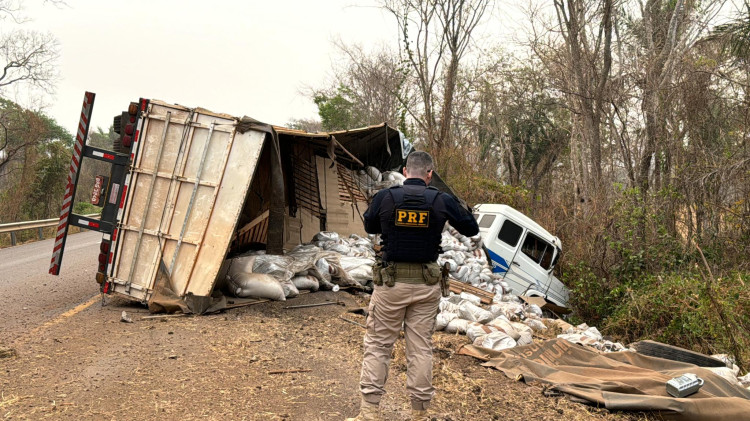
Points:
x=532 y=262
x=502 y=240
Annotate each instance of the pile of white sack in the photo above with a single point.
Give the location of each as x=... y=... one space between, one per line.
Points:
x=465 y=255
x=468 y=262
x=731 y=372
x=327 y=263
x=509 y=323
x=371 y=180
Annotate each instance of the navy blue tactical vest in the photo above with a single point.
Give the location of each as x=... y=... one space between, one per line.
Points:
x=412 y=233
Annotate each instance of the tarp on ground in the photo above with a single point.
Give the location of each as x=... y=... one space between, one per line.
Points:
x=625 y=381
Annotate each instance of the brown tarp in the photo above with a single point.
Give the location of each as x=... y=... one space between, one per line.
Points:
x=624 y=381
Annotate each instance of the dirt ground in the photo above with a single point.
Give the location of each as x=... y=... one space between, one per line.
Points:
x=92 y=366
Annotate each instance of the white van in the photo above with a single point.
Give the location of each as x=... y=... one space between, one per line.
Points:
x=521 y=251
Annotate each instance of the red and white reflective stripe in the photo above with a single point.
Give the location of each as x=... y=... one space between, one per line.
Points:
x=104 y=155
x=92 y=224
x=88 y=101
x=124 y=196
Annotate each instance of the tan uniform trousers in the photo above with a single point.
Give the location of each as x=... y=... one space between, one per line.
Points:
x=414 y=305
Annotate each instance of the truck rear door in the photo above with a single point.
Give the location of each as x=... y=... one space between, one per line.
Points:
x=184 y=193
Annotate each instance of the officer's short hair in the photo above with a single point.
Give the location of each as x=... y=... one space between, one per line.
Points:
x=419 y=163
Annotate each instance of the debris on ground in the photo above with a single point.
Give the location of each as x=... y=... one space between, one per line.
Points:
x=125 y=318
x=7 y=352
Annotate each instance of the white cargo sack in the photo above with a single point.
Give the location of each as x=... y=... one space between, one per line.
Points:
x=534 y=309
x=306 y=282
x=457 y=325
x=497 y=341
x=241 y=264
x=256 y=285
x=290 y=291
x=535 y=324
x=476 y=330
x=326 y=236
x=471 y=312
x=276 y=266
x=358 y=268
x=521 y=328
x=443 y=318
x=525 y=339
x=470 y=298
x=447 y=306
x=504 y=325
x=512 y=311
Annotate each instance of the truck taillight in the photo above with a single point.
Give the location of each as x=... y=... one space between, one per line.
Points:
x=102 y=267
x=104 y=247
x=100 y=278
x=124 y=125
x=102 y=258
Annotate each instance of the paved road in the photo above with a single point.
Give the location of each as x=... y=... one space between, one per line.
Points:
x=29 y=296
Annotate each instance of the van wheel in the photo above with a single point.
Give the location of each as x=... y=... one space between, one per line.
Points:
x=674 y=353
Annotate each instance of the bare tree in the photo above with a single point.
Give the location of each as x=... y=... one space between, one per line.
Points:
x=28 y=57
x=590 y=62
x=368 y=87
x=435 y=36
x=669 y=31
x=376 y=80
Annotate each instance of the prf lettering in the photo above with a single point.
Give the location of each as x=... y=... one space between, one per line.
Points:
x=412 y=218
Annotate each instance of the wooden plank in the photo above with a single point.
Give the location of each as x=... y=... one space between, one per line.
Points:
x=459 y=287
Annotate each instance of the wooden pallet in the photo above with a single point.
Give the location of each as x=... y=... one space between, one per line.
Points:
x=459 y=287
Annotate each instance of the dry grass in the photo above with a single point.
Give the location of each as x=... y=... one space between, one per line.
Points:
x=217 y=367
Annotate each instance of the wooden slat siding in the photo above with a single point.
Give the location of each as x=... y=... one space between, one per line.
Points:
x=346 y=179
x=256 y=234
x=256 y=231
x=306 y=183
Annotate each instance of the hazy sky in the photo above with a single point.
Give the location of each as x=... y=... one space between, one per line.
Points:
x=237 y=57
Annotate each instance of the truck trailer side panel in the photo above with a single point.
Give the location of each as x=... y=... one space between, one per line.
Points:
x=187 y=187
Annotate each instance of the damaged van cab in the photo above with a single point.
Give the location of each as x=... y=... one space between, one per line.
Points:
x=522 y=252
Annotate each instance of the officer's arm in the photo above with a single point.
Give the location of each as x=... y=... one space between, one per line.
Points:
x=372 y=214
x=459 y=217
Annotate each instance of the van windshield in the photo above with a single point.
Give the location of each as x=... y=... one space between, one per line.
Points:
x=487 y=221
x=538 y=250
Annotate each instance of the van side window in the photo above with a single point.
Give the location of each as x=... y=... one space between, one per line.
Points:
x=538 y=250
x=487 y=221
x=509 y=233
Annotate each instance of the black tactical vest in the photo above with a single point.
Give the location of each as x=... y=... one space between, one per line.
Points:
x=412 y=233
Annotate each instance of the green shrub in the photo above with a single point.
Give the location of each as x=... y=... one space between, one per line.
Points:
x=86 y=208
x=678 y=309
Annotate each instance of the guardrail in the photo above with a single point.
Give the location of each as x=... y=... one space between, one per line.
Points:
x=13 y=227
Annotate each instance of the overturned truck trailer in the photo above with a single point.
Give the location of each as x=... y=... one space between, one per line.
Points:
x=189 y=187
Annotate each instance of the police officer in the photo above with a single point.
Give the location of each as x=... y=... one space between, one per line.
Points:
x=407 y=291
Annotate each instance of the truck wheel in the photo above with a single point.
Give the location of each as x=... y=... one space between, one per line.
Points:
x=674 y=353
